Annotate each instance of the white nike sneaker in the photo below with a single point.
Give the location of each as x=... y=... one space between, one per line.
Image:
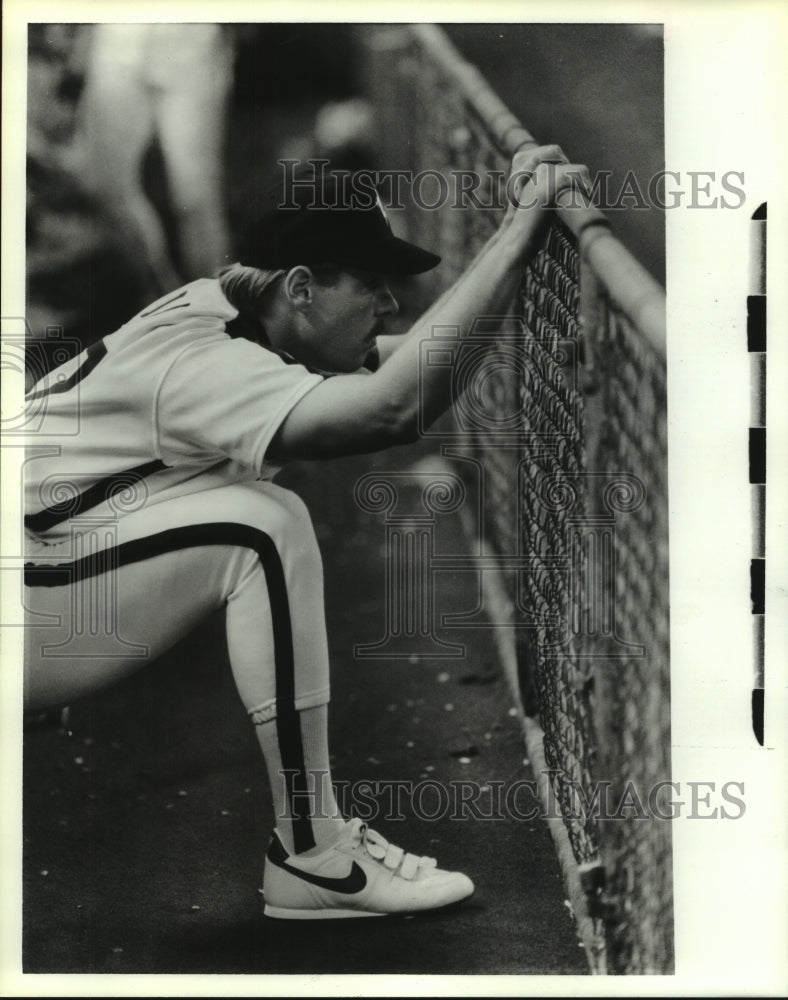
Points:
x=361 y=875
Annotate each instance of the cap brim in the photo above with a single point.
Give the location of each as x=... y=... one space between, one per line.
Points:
x=392 y=256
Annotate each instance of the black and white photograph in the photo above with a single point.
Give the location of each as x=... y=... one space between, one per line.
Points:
x=385 y=500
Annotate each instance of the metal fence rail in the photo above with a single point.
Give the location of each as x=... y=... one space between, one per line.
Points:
x=588 y=517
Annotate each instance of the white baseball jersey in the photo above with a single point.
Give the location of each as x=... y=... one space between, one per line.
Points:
x=166 y=406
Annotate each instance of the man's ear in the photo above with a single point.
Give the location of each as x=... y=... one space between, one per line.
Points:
x=298 y=285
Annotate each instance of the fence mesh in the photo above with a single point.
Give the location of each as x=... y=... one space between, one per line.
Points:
x=589 y=517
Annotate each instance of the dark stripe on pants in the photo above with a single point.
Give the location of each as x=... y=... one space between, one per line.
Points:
x=100 y=492
x=223 y=533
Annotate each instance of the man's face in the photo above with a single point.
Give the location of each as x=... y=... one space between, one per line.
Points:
x=345 y=317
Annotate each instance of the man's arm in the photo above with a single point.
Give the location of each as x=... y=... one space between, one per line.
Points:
x=354 y=414
x=523 y=165
x=387 y=344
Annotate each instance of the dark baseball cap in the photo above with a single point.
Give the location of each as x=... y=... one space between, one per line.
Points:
x=327 y=218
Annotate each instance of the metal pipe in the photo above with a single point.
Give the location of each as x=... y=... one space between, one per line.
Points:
x=626 y=281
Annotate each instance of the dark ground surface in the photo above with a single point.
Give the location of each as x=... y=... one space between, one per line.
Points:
x=146 y=822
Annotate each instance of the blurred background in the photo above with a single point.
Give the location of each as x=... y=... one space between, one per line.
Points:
x=145 y=169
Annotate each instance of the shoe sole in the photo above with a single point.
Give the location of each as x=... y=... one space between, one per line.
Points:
x=285 y=913
x=288 y=913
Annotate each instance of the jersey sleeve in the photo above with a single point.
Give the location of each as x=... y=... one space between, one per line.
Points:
x=226 y=399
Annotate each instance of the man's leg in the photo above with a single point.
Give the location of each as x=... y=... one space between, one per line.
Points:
x=116 y=114
x=195 y=75
x=173 y=564
x=283 y=606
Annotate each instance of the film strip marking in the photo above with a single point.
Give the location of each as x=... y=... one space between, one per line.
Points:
x=756 y=347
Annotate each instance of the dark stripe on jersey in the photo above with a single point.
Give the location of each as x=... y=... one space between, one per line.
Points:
x=96 y=494
x=222 y=533
x=166 y=303
x=94 y=354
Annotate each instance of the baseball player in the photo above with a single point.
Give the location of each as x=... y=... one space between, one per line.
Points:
x=150 y=499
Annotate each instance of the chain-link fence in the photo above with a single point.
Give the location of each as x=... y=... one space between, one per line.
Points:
x=575 y=420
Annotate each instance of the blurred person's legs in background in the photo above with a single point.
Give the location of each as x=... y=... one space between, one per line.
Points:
x=165 y=83
x=193 y=73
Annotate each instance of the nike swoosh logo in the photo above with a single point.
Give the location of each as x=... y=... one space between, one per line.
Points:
x=353 y=882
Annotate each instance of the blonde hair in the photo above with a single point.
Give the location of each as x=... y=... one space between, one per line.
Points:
x=244 y=287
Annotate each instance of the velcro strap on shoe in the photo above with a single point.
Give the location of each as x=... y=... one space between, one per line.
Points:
x=376 y=846
x=393 y=857
x=410 y=866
